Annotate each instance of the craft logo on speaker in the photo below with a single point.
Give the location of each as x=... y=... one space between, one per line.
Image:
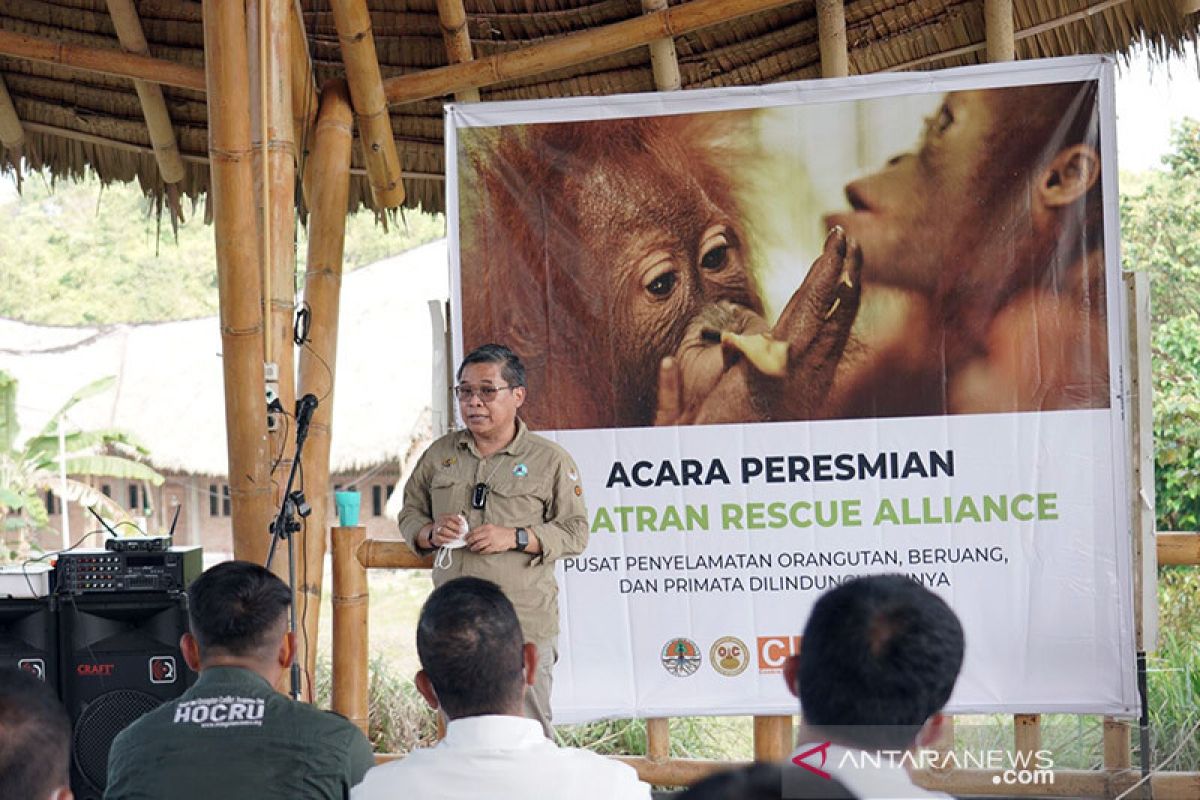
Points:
x=729 y=656
x=681 y=657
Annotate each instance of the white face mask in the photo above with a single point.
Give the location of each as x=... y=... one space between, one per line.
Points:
x=443 y=559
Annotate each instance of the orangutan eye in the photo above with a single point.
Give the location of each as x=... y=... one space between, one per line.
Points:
x=714 y=250
x=939 y=122
x=664 y=284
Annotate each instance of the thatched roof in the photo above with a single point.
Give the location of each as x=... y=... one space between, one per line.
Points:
x=170 y=393
x=74 y=120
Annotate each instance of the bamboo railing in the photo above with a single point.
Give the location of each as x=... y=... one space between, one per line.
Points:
x=354 y=554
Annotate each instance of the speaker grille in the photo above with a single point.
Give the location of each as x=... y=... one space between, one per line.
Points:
x=105 y=717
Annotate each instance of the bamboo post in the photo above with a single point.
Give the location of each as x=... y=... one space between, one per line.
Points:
x=664 y=61
x=571 y=50
x=353 y=23
x=304 y=87
x=238 y=279
x=1117 y=750
x=1187 y=7
x=831 y=33
x=1027 y=733
x=105 y=61
x=658 y=739
x=154 y=107
x=12 y=135
x=322 y=291
x=998 y=24
x=458 y=41
x=1141 y=476
x=351 y=681
x=772 y=738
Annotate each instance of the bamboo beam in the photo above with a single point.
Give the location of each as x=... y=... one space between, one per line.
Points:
x=1178 y=549
x=350 y=629
x=102 y=60
x=571 y=50
x=1187 y=7
x=304 y=86
x=330 y=171
x=154 y=107
x=392 y=554
x=12 y=135
x=238 y=279
x=664 y=61
x=772 y=738
x=353 y=23
x=458 y=41
x=998 y=27
x=831 y=33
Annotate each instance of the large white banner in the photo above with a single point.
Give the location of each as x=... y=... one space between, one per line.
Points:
x=939 y=394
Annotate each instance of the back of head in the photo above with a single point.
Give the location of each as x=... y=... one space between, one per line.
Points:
x=879 y=657
x=472 y=649
x=757 y=782
x=35 y=738
x=239 y=609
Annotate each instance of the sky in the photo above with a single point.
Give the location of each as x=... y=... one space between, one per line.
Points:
x=1149 y=99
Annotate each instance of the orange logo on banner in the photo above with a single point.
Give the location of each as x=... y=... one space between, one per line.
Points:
x=774 y=650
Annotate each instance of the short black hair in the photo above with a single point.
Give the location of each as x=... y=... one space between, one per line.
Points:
x=767 y=781
x=511 y=368
x=879 y=657
x=35 y=737
x=471 y=648
x=236 y=607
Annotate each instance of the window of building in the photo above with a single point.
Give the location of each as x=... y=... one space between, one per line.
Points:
x=214 y=500
x=377 y=500
x=53 y=506
x=106 y=489
x=226 y=501
x=134 y=495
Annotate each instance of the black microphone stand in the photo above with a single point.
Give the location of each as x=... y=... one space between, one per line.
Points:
x=286 y=524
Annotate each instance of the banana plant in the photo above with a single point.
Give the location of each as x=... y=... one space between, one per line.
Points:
x=30 y=468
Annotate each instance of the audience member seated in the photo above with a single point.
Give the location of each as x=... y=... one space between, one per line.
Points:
x=232 y=735
x=878 y=660
x=475 y=669
x=35 y=740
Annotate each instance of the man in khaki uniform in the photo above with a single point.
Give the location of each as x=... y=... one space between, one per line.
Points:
x=519 y=495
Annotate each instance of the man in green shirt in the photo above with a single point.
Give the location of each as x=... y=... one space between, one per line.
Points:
x=502 y=503
x=232 y=735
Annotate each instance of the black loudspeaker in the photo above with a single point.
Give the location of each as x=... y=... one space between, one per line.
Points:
x=29 y=637
x=119 y=658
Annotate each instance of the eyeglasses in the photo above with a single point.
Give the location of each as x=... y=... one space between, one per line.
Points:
x=485 y=393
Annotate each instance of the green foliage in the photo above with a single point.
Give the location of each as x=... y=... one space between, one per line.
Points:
x=82 y=253
x=1159 y=226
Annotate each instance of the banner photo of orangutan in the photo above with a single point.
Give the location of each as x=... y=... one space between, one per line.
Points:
x=801 y=332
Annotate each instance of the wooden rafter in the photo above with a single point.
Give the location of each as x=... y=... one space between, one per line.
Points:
x=102 y=60
x=12 y=135
x=664 y=61
x=154 y=107
x=453 y=19
x=353 y=23
x=304 y=86
x=570 y=50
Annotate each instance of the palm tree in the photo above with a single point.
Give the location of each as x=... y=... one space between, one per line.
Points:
x=34 y=467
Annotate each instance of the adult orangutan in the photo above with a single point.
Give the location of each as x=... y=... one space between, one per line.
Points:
x=609 y=252
x=993 y=232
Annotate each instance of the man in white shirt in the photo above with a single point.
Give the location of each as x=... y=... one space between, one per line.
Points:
x=475 y=669
x=878 y=660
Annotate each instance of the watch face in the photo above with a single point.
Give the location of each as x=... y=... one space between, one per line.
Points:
x=522 y=538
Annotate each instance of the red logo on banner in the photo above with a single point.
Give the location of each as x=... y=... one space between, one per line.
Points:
x=799 y=761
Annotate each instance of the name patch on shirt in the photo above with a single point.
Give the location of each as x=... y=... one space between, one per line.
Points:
x=221 y=712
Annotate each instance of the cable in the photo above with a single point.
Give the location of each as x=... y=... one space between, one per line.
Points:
x=25 y=564
x=302 y=324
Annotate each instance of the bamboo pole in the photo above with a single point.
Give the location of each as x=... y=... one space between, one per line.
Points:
x=998 y=25
x=238 y=279
x=154 y=107
x=392 y=554
x=1027 y=734
x=831 y=33
x=350 y=630
x=772 y=738
x=322 y=291
x=12 y=135
x=658 y=739
x=1117 y=749
x=304 y=87
x=1141 y=473
x=664 y=61
x=103 y=60
x=353 y=23
x=1178 y=549
x=458 y=41
x=571 y=50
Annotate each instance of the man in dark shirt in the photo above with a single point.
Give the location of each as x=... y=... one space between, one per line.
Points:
x=232 y=735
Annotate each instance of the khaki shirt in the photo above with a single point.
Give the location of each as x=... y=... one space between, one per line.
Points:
x=533 y=484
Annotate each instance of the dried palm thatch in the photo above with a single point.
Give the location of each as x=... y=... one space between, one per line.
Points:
x=75 y=120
